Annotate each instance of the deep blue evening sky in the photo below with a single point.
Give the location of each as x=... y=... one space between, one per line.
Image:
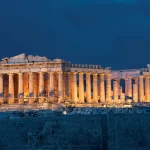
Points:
x=112 y=33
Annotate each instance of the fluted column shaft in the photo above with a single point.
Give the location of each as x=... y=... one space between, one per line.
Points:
x=31 y=91
x=95 y=89
x=135 y=93
x=1 y=88
x=147 y=90
x=81 y=88
x=102 y=88
x=108 y=88
x=141 y=89
x=60 y=87
x=88 y=87
x=115 y=89
x=126 y=86
x=51 y=85
x=74 y=87
x=118 y=85
x=41 y=84
x=122 y=98
x=11 y=89
x=130 y=87
x=20 y=88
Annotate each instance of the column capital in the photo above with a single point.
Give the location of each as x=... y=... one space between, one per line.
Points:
x=141 y=76
x=65 y=73
x=88 y=73
x=146 y=76
x=74 y=73
x=40 y=72
x=108 y=75
x=81 y=73
x=95 y=74
x=31 y=72
x=51 y=72
x=101 y=74
x=126 y=78
x=20 y=73
x=117 y=79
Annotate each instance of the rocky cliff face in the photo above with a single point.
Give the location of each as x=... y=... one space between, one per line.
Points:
x=54 y=132
x=90 y=132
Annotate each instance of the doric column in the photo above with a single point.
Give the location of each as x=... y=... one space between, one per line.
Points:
x=51 y=86
x=74 y=87
x=135 y=93
x=108 y=88
x=41 y=87
x=81 y=88
x=1 y=89
x=141 y=89
x=31 y=91
x=130 y=86
x=20 y=89
x=147 y=90
x=102 y=88
x=120 y=90
x=88 y=87
x=60 y=87
x=118 y=84
x=69 y=85
x=11 y=88
x=95 y=89
x=122 y=98
x=126 y=86
x=115 y=89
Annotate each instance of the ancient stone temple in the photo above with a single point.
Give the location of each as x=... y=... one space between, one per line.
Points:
x=34 y=79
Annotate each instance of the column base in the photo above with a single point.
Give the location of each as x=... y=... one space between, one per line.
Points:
x=41 y=100
x=60 y=100
x=11 y=101
x=1 y=100
x=51 y=99
x=31 y=100
x=20 y=101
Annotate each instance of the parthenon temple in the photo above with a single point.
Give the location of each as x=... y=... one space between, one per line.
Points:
x=35 y=79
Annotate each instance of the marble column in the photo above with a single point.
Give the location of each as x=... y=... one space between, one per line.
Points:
x=102 y=88
x=122 y=98
x=81 y=87
x=141 y=89
x=126 y=86
x=1 y=89
x=31 y=91
x=74 y=87
x=108 y=88
x=130 y=86
x=60 y=87
x=147 y=90
x=95 y=88
x=51 y=86
x=11 y=88
x=115 y=89
x=88 y=87
x=135 y=93
x=118 y=84
x=41 y=87
x=20 y=89
x=120 y=90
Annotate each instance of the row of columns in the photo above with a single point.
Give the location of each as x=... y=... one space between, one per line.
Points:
x=31 y=87
x=138 y=92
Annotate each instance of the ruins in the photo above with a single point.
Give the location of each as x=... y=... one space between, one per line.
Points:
x=35 y=79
